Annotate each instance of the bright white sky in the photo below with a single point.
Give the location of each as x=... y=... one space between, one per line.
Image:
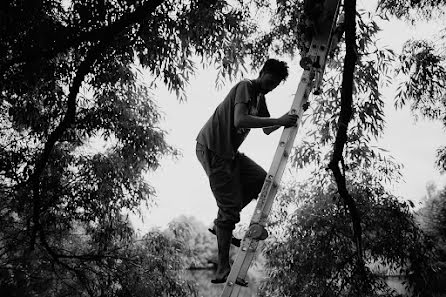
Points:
x=182 y=186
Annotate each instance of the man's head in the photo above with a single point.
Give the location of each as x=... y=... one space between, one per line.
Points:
x=272 y=74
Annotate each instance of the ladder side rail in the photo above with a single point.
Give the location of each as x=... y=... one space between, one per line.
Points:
x=263 y=220
x=298 y=102
x=288 y=148
x=283 y=149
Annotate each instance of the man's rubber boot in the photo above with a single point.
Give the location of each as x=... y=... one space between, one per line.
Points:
x=224 y=243
x=223 y=267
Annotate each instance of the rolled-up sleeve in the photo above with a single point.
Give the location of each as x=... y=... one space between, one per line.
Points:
x=244 y=92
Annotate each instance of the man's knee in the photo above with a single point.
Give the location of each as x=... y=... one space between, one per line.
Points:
x=227 y=218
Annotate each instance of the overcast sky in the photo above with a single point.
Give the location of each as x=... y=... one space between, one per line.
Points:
x=183 y=188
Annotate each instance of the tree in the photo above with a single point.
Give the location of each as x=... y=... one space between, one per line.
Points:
x=433 y=214
x=331 y=122
x=432 y=217
x=340 y=139
x=314 y=256
x=70 y=77
x=197 y=240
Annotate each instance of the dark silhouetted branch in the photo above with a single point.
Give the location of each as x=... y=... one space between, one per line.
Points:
x=67 y=121
x=345 y=116
x=104 y=36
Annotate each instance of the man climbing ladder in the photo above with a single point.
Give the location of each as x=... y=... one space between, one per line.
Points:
x=234 y=178
x=321 y=30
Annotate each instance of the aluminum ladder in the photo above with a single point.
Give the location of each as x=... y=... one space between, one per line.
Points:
x=314 y=64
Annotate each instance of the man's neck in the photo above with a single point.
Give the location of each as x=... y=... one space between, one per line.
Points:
x=256 y=85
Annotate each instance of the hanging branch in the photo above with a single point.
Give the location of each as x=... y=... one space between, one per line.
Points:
x=345 y=116
x=73 y=38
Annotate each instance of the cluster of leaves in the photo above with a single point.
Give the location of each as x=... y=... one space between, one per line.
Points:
x=414 y=9
x=314 y=255
x=77 y=184
x=422 y=64
x=425 y=79
x=290 y=31
x=424 y=76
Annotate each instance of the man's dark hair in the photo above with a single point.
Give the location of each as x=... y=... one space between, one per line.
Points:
x=276 y=67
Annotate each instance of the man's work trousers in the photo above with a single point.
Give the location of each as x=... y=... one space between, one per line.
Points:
x=234 y=183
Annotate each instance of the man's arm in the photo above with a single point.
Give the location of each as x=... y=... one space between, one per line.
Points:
x=243 y=120
x=269 y=130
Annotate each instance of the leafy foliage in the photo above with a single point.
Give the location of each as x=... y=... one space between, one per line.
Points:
x=432 y=217
x=105 y=263
x=424 y=85
x=71 y=82
x=422 y=64
x=196 y=239
x=425 y=79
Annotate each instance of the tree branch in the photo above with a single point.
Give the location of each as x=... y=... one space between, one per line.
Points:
x=125 y=21
x=67 y=122
x=345 y=116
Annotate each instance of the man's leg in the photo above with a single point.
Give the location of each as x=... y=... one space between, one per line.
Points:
x=225 y=184
x=252 y=177
x=224 y=245
x=226 y=187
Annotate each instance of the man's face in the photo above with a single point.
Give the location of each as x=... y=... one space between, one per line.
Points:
x=268 y=82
